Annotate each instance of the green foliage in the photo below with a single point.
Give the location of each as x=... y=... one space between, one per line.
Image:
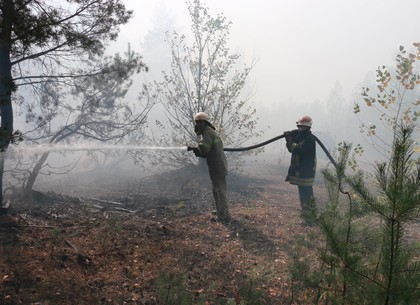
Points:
x=171 y=290
x=342 y=147
x=395 y=99
x=248 y=294
x=366 y=258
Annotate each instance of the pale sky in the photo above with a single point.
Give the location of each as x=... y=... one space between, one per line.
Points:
x=303 y=46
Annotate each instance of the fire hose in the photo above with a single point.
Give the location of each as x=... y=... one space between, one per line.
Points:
x=275 y=139
x=282 y=136
x=278 y=138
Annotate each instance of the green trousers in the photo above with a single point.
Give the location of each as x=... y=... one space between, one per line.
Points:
x=220 y=196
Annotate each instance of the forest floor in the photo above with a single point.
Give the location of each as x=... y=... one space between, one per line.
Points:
x=151 y=241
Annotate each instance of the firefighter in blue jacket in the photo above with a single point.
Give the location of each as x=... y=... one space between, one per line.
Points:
x=301 y=144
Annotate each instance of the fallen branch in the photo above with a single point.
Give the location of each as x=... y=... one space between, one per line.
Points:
x=76 y=248
x=124 y=210
x=107 y=201
x=97 y=206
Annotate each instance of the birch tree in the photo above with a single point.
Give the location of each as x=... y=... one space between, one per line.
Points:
x=205 y=76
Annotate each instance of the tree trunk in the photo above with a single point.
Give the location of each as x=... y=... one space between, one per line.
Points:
x=2 y=157
x=6 y=86
x=32 y=177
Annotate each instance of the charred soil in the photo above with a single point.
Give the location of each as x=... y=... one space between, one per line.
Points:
x=144 y=241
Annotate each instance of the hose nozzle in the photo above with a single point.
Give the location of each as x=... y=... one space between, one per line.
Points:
x=17 y=137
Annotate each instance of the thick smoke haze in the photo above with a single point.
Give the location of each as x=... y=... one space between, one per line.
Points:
x=311 y=57
x=303 y=47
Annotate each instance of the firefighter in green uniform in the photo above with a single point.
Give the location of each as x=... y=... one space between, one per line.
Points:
x=210 y=146
x=301 y=144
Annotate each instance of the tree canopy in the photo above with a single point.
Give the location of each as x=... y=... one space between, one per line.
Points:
x=46 y=40
x=206 y=76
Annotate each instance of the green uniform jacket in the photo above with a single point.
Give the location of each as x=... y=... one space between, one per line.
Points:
x=303 y=161
x=211 y=148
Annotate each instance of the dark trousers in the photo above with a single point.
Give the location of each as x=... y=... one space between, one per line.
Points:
x=306 y=194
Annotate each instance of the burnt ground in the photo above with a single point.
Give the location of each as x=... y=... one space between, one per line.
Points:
x=143 y=240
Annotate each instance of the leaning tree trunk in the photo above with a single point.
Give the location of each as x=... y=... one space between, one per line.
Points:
x=58 y=137
x=32 y=177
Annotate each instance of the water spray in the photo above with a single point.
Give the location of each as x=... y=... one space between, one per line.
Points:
x=91 y=147
x=17 y=137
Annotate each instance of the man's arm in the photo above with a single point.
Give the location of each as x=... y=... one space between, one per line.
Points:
x=205 y=143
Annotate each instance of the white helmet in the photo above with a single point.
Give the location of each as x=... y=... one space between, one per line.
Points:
x=305 y=120
x=201 y=116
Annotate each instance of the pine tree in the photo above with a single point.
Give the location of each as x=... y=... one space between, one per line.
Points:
x=365 y=257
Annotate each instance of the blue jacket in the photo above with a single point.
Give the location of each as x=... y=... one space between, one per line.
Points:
x=303 y=160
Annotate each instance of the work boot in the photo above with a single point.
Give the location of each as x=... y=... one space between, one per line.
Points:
x=307 y=218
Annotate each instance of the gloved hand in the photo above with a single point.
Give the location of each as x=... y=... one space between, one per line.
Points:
x=196 y=151
x=16 y=137
x=289 y=136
